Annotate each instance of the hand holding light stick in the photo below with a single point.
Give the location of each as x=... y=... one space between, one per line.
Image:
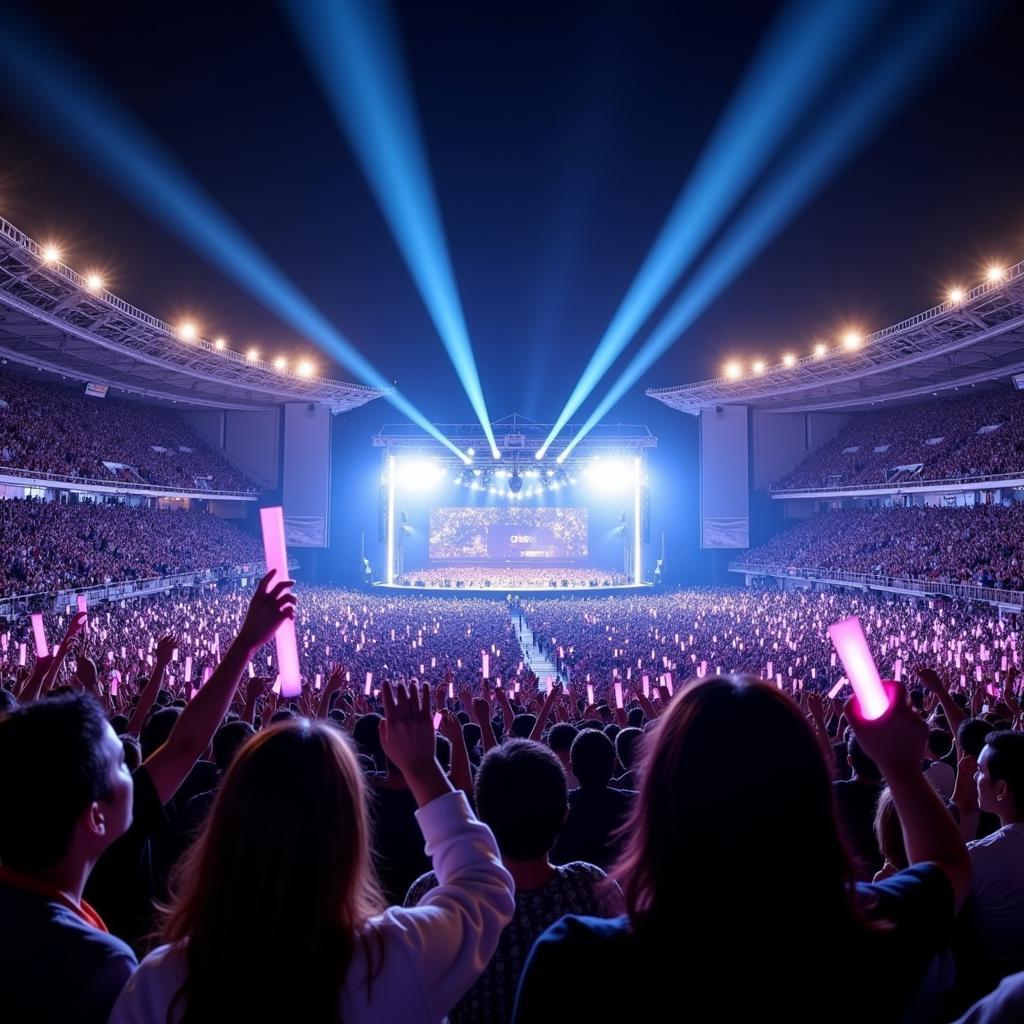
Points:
x=852 y=648
x=276 y=557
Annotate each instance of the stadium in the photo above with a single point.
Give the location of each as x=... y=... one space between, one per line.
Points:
x=462 y=525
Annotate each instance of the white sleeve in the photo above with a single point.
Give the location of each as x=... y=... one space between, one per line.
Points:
x=452 y=934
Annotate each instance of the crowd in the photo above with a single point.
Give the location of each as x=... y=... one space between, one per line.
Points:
x=424 y=832
x=967 y=435
x=511 y=577
x=48 y=428
x=49 y=545
x=970 y=544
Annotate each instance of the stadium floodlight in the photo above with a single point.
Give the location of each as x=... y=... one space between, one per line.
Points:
x=758 y=366
x=804 y=50
x=852 y=340
x=354 y=49
x=820 y=350
x=733 y=370
x=51 y=254
x=252 y=355
x=220 y=344
x=280 y=364
x=187 y=331
x=94 y=282
x=994 y=274
x=305 y=368
x=956 y=296
x=869 y=98
x=56 y=91
x=789 y=360
x=419 y=474
x=610 y=476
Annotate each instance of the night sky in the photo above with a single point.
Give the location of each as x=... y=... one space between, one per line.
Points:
x=559 y=135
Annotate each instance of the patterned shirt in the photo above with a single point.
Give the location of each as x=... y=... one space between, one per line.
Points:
x=575 y=889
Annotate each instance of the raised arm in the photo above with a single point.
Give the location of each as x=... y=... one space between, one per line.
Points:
x=164 y=652
x=894 y=742
x=170 y=764
x=954 y=713
x=453 y=932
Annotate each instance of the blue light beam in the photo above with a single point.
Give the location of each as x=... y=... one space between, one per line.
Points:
x=95 y=125
x=805 y=49
x=871 y=99
x=354 y=49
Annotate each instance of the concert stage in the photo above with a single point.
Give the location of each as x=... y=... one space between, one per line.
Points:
x=498 y=590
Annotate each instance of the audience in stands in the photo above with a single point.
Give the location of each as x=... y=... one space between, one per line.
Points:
x=49 y=428
x=977 y=544
x=49 y=545
x=980 y=433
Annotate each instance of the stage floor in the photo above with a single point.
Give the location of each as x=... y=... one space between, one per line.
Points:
x=501 y=591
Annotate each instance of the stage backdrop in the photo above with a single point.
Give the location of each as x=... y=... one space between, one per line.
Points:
x=512 y=534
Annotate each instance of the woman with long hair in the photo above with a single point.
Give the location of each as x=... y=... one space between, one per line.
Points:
x=741 y=895
x=277 y=914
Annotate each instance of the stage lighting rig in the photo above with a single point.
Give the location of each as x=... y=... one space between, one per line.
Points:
x=515 y=481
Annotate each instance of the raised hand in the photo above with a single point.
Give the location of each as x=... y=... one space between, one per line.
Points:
x=407 y=736
x=165 y=648
x=268 y=609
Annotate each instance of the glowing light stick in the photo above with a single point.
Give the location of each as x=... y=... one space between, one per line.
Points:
x=852 y=647
x=590 y=694
x=276 y=556
x=618 y=695
x=39 y=633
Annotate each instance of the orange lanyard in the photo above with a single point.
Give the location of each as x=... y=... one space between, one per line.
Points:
x=27 y=883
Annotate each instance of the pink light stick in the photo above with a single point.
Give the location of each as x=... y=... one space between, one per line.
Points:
x=848 y=638
x=39 y=633
x=276 y=556
x=188 y=668
x=618 y=695
x=835 y=689
x=83 y=606
x=21 y=654
x=486 y=664
x=369 y=683
x=590 y=694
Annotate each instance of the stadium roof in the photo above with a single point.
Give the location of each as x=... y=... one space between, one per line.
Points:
x=974 y=337
x=53 y=318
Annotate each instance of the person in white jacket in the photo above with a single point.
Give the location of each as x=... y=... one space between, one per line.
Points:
x=277 y=914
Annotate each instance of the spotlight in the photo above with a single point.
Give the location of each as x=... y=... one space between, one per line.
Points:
x=820 y=350
x=789 y=359
x=94 y=282
x=51 y=254
x=187 y=331
x=252 y=355
x=956 y=296
x=852 y=340
x=758 y=366
x=471 y=452
x=732 y=370
x=219 y=344
x=280 y=363
x=996 y=274
x=305 y=368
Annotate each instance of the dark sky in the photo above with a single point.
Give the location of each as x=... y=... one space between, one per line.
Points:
x=559 y=135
